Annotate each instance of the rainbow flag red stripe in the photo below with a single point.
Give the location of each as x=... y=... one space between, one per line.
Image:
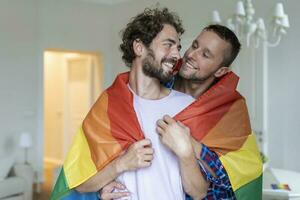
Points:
x=219 y=119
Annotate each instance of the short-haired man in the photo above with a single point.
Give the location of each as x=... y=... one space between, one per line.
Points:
x=204 y=63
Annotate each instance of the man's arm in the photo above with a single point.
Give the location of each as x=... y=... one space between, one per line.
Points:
x=177 y=137
x=194 y=183
x=211 y=167
x=197 y=146
x=138 y=155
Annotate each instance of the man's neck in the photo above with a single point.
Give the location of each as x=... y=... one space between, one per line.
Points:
x=193 y=88
x=145 y=86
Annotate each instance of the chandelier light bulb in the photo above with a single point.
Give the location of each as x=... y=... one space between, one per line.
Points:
x=216 y=17
x=261 y=24
x=279 y=12
x=240 y=9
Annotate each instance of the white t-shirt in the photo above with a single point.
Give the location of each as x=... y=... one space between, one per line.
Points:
x=162 y=180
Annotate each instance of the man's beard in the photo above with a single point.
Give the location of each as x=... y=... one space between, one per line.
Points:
x=153 y=69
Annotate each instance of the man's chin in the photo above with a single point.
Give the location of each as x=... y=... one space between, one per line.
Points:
x=162 y=77
x=165 y=78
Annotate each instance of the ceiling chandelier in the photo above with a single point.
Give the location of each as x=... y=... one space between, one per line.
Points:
x=253 y=30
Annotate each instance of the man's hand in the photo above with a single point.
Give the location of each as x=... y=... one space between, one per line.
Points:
x=176 y=136
x=108 y=193
x=138 y=155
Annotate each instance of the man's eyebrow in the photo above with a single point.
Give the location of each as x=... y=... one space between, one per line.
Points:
x=170 y=40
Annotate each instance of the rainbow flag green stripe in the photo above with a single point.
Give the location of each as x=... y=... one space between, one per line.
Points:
x=61 y=185
x=219 y=119
x=250 y=191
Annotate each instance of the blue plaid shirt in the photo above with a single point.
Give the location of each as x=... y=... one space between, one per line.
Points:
x=219 y=187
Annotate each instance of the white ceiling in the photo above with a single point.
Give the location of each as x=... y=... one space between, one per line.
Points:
x=106 y=2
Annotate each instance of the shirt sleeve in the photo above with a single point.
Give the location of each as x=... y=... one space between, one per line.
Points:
x=213 y=161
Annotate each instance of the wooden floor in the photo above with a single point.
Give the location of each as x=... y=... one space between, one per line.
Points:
x=46 y=187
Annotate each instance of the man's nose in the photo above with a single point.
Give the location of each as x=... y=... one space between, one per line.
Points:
x=175 y=53
x=191 y=53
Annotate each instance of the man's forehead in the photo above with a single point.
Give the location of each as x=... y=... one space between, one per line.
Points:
x=211 y=40
x=168 y=33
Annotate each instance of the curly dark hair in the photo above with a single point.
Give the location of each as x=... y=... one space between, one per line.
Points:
x=229 y=36
x=145 y=26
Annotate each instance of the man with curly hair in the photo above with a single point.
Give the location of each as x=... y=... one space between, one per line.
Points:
x=150 y=46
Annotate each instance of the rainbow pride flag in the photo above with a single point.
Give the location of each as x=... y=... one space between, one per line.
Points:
x=219 y=119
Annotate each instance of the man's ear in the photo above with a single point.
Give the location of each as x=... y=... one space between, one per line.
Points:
x=222 y=71
x=138 y=47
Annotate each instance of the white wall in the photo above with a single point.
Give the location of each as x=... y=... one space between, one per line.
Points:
x=30 y=26
x=18 y=72
x=285 y=96
x=73 y=25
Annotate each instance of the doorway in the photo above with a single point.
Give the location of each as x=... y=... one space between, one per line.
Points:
x=72 y=83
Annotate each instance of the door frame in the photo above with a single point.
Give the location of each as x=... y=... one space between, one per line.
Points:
x=39 y=167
